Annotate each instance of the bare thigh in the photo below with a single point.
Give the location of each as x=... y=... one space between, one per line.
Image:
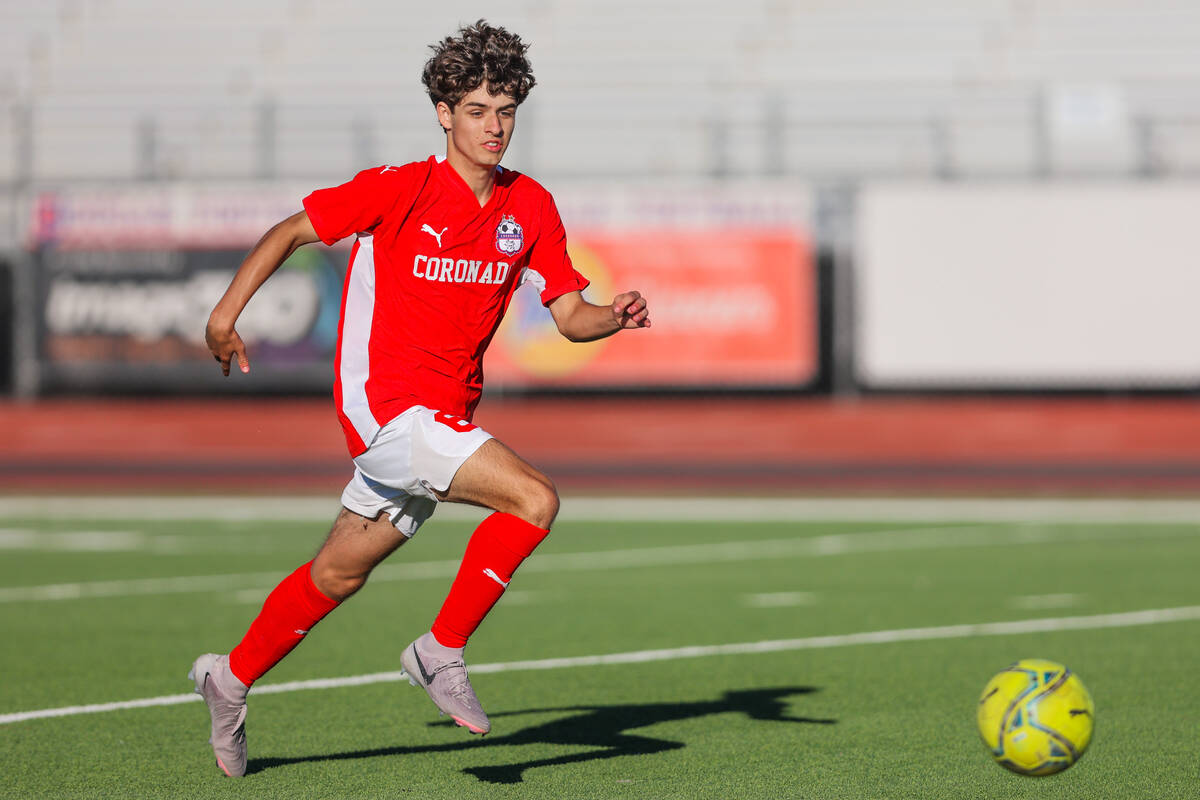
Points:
x=495 y=477
x=354 y=547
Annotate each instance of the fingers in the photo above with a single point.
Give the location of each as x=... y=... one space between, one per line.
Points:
x=226 y=362
x=243 y=359
x=226 y=349
x=236 y=348
x=631 y=311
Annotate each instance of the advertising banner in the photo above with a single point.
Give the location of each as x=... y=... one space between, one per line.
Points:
x=135 y=319
x=126 y=280
x=736 y=308
x=161 y=216
x=1027 y=286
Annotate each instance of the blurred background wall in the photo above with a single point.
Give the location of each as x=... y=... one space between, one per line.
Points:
x=822 y=199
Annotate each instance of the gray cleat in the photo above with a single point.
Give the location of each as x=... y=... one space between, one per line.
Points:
x=226 y=699
x=446 y=683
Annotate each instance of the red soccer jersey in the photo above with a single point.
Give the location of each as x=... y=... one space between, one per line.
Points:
x=431 y=274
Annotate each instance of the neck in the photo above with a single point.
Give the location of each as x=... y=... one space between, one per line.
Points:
x=480 y=178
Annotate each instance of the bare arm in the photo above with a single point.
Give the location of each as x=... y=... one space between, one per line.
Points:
x=271 y=251
x=581 y=321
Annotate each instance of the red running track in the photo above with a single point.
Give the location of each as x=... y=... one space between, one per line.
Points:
x=1149 y=445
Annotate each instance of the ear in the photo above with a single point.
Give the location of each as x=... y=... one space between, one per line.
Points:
x=445 y=115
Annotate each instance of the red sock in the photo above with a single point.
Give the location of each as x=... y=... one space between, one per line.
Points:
x=288 y=614
x=497 y=548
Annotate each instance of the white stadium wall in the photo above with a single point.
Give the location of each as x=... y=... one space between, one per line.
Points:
x=1024 y=286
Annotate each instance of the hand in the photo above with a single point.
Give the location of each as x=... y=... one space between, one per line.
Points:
x=224 y=342
x=630 y=311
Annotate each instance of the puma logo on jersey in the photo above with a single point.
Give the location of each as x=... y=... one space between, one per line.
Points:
x=449 y=270
x=435 y=234
x=388 y=168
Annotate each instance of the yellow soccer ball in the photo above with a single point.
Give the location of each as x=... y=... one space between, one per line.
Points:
x=1036 y=717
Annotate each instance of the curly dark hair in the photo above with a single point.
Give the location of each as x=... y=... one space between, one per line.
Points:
x=479 y=55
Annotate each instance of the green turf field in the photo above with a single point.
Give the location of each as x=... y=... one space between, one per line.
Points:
x=112 y=609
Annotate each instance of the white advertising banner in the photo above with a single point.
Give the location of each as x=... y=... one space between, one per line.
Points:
x=1081 y=285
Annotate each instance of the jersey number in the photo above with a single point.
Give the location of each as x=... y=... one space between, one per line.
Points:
x=453 y=423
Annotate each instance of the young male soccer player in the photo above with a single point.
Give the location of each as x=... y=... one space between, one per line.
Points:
x=441 y=246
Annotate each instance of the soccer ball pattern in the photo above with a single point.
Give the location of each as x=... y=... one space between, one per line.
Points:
x=509 y=236
x=1036 y=717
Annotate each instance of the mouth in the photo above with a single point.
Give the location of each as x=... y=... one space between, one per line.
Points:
x=493 y=146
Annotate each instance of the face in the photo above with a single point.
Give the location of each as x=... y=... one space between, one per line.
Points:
x=479 y=128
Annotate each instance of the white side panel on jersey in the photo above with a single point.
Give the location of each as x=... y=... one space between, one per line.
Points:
x=356 y=337
x=534 y=277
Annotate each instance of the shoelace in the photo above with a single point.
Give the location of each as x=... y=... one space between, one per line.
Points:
x=459 y=689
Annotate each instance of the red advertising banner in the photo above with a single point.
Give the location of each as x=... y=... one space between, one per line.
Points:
x=729 y=306
x=126 y=278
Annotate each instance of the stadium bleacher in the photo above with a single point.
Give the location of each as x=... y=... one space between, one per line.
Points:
x=123 y=89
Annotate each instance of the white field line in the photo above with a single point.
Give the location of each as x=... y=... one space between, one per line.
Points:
x=1048 y=625
x=672 y=555
x=779 y=599
x=74 y=541
x=606 y=509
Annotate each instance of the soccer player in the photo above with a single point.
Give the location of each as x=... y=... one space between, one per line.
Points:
x=441 y=245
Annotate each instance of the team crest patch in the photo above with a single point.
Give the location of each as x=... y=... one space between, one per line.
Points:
x=509 y=236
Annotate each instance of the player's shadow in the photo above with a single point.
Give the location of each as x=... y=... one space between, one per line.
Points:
x=605 y=729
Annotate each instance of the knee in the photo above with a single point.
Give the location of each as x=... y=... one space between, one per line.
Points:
x=334 y=584
x=539 y=502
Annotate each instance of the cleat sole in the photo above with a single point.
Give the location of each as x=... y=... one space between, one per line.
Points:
x=471 y=728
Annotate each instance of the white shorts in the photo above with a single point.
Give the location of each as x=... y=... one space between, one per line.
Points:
x=411 y=457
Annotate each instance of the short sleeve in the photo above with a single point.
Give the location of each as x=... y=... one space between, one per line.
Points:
x=550 y=267
x=360 y=204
